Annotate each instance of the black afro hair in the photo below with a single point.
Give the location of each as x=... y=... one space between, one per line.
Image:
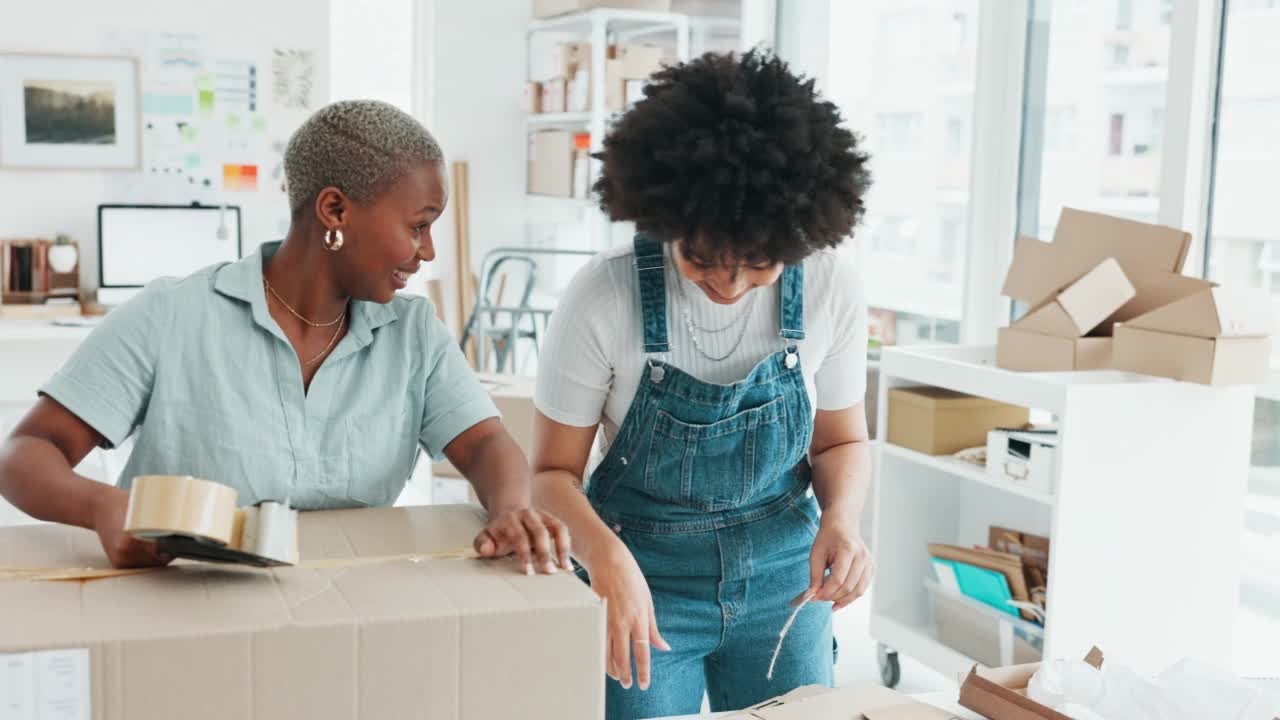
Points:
x=738 y=155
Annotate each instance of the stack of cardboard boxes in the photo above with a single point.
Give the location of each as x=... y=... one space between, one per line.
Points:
x=559 y=159
x=1109 y=293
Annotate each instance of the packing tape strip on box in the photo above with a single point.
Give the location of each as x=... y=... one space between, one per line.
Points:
x=37 y=574
x=198 y=519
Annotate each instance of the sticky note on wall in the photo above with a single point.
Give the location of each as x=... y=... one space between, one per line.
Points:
x=240 y=178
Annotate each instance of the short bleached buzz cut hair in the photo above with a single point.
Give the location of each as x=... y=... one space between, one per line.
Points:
x=360 y=147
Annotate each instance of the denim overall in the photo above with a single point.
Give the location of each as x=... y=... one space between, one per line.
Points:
x=707 y=486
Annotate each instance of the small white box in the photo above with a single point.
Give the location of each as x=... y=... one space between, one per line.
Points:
x=1022 y=458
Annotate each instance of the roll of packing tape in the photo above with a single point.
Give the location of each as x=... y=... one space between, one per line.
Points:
x=269 y=530
x=161 y=505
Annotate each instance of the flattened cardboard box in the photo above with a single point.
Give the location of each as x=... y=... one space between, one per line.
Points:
x=433 y=639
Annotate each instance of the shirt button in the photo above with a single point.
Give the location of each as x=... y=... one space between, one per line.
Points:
x=624 y=461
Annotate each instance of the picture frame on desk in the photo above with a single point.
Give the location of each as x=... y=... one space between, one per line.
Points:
x=69 y=112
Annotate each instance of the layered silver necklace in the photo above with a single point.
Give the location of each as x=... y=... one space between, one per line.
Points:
x=741 y=321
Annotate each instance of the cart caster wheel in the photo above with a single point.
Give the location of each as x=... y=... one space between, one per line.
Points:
x=890 y=669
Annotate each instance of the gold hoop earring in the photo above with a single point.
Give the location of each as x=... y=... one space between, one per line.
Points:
x=333 y=240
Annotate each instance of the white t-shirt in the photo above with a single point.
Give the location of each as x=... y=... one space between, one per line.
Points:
x=591 y=361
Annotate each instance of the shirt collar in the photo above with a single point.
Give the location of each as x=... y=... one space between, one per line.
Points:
x=243 y=280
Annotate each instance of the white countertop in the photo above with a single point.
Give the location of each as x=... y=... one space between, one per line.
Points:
x=43 y=330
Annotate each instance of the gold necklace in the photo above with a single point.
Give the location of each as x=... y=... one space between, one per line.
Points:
x=332 y=340
x=295 y=312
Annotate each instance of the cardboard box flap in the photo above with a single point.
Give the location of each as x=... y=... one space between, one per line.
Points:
x=1035 y=273
x=1155 y=289
x=834 y=704
x=1089 y=237
x=1216 y=312
x=1049 y=319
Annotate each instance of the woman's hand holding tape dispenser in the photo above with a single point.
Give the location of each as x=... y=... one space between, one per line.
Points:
x=295 y=378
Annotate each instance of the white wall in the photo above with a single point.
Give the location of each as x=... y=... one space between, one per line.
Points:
x=371 y=51
x=475 y=73
x=41 y=203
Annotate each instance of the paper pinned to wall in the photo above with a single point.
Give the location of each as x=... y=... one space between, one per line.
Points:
x=293 y=79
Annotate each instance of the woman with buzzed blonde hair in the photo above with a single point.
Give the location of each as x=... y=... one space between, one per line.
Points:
x=295 y=373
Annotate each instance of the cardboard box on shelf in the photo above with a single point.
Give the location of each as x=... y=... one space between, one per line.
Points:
x=543 y=9
x=513 y=394
x=531 y=101
x=937 y=421
x=1001 y=693
x=551 y=155
x=1033 y=352
x=555 y=95
x=342 y=638
x=1218 y=336
x=570 y=57
x=1070 y=281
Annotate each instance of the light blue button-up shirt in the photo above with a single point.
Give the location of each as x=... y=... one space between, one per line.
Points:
x=199 y=369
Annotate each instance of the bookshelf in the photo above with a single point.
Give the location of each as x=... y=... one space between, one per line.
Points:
x=26 y=276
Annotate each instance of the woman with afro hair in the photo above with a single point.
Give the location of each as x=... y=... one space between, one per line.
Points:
x=723 y=353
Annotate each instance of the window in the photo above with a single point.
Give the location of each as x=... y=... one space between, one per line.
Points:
x=1243 y=250
x=1117 y=134
x=1099 y=147
x=1124 y=14
x=956 y=143
x=1244 y=230
x=1060 y=129
x=898 y=132
x=914 y=106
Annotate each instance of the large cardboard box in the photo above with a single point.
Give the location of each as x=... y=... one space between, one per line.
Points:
x=513 y=394
x=551 y=8
x=551 y=154
x=1215 y=337
x=938 y=421
x=388 y=639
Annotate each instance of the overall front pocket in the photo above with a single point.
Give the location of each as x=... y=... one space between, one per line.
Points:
x=713 y=467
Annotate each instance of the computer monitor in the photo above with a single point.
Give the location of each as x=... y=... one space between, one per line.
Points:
x=139 y=243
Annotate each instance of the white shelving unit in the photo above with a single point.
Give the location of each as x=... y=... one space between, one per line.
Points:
x=1144 y=519
x=602 y=27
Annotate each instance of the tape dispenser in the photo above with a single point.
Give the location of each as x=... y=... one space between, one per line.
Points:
x=198 y=519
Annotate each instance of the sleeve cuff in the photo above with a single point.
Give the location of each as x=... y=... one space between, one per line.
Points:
x=564 y=417
x=448 y=427
x=87 y=404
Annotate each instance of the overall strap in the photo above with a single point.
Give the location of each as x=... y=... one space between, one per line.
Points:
x=791 y=298
x=651 y=272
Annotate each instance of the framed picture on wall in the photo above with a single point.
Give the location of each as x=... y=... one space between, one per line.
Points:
x=69 y=112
